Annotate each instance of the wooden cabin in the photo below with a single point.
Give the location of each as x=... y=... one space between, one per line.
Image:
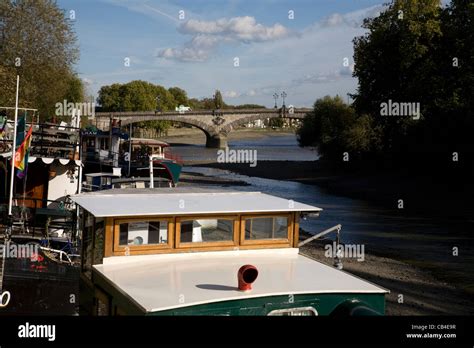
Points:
x=178 y=252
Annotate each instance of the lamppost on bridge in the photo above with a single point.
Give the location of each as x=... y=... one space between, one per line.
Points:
x=283 y=95
x=275 y=96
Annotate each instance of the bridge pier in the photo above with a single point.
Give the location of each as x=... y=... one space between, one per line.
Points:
x=216 y=141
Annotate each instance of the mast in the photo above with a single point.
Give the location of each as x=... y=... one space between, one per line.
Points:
x=12 y=174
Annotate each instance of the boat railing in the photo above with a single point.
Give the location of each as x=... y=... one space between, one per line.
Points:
x=48 y=140
x=337 y=229
x=38 y=217
x=61 y=255
x=86 y=187
x=58 y=141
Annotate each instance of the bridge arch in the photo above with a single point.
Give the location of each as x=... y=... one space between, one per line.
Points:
x=214 y=138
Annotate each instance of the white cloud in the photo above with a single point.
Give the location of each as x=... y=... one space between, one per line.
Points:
x=352 y=19
x=87 y=81
x=231 y=94
x=251 y=93
x=207 y=35
x=244 y=29
x=196 y=50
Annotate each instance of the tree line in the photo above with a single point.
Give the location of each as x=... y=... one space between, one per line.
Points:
x=144 y=96
x=38 y=43
x=414 y=52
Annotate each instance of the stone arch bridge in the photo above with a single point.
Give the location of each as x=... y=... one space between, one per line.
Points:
x=216 y=124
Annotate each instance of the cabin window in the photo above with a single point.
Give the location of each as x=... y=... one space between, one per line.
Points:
x=133 y=236
x=143 y=233
x=206 y=231
x=266 y=229
x=104 y=143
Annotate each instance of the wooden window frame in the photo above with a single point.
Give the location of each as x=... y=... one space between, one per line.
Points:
x=280 y=241
x=135 y=249
x=234 y=242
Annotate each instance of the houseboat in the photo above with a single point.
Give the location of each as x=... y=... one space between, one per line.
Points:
x=104 y=151
x=196 y=251
x=42 y=221
x=101 y=149
x=165 y=164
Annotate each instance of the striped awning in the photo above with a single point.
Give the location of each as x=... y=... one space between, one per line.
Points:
x=46 y=160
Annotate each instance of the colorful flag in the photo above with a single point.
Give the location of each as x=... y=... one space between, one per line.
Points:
x=20 y=130
x=3 y=124
x=21 y=154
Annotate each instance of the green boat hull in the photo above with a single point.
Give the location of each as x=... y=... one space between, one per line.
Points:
x=324 y=304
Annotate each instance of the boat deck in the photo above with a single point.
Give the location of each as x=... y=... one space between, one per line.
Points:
x=161 y=282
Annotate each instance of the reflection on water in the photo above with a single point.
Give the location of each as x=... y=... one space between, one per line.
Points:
x=268 y=148
x=419 y=240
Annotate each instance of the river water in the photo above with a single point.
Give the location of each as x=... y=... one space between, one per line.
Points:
x=427 y=242
x=270 y=148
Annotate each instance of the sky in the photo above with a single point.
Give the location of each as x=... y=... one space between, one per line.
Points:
x=247 y=49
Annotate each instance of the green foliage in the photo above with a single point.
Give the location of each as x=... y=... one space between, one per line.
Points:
x=218 y=101
x=195 y=104
x=75 y=92
x=138 y=96
x=180 y=96
x=334 y=128
x=410 y=55
x=135 y=96
x=362 y=136
x=276 y=122
x=38 y=33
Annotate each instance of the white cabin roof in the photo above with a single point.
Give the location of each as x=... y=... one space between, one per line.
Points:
x=183 y=201
x=158 y=282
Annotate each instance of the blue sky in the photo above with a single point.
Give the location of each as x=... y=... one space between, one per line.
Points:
x=303 y=56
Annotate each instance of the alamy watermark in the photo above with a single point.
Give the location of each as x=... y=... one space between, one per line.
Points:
x=237 y=156
x=392 y=108
x=355 y=251
x=70 y=109
x=28 y=330
x=19 y=251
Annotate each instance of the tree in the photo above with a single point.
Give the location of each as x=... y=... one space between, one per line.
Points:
x=218 y=101
x=179 y=95
x=208 y=103
x=452 y=124
x=195 y=104
x=138 y=96
x=334 y=128
x=276 y=122
x=38 y=43
x=75 y=92
x=396 y=61
x=110 y=98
